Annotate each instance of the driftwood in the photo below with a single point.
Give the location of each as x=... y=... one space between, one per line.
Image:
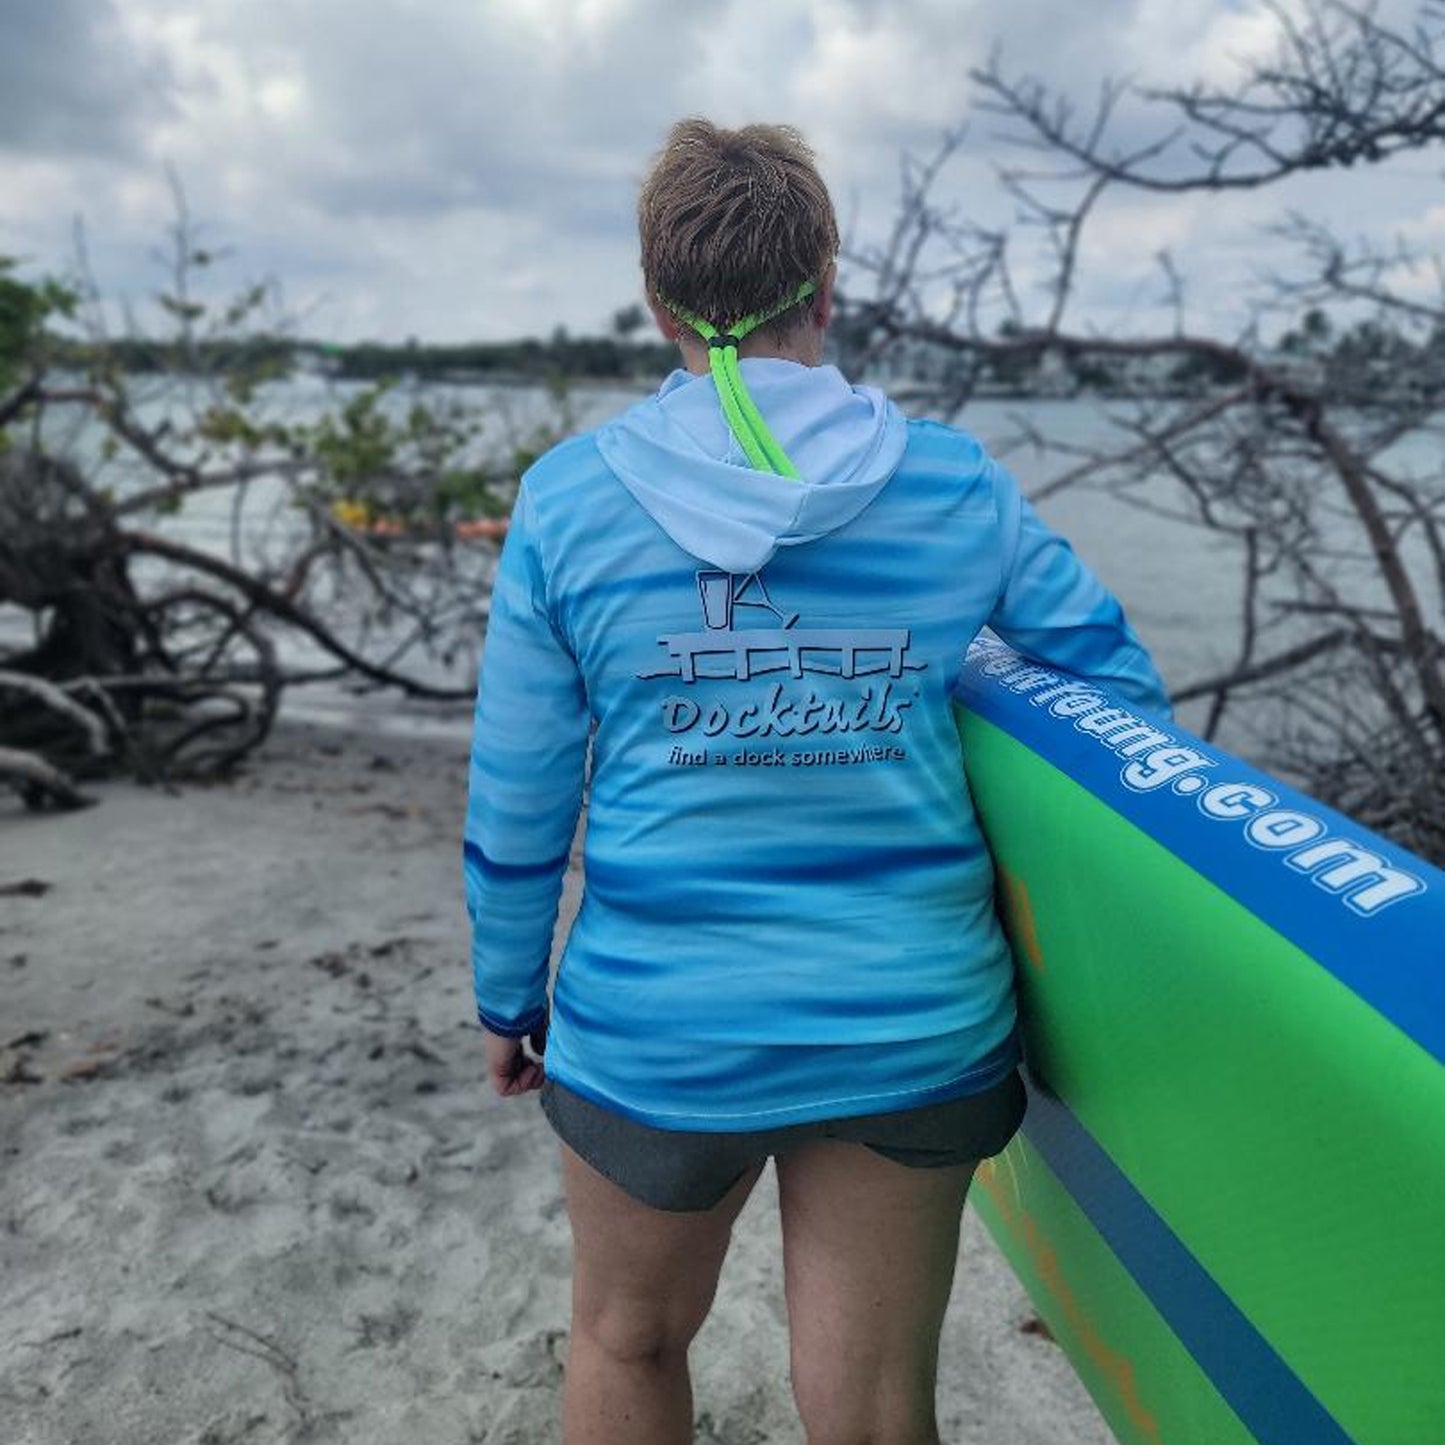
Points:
x=178 y=680
x=39 y=783
x=146 y=651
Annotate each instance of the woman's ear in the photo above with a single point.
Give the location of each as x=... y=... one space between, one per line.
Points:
x=667 y=323
x=694 y=353
x=823 y=302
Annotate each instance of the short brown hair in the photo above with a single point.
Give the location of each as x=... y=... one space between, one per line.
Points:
x=732 y=221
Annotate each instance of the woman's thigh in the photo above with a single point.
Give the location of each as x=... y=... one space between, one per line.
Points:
x=869 y=1248
x=643 y=1278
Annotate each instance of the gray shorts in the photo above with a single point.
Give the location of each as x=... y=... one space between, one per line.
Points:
x=683 y=1171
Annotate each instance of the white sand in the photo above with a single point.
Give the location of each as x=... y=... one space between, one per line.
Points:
x=259 y=1192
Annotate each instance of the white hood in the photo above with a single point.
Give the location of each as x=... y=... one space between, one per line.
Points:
x=677 y=456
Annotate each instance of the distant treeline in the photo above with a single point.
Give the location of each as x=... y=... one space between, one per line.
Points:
x=1365 y=362
x=528 y=359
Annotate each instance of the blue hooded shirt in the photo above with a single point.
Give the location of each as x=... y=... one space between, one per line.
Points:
x=788 y=905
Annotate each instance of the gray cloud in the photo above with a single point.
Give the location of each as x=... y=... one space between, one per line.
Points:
x=427 y=109
x=72 y=82
x=468 y=169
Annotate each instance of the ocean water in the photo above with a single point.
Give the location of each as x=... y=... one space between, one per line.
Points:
x=1180 y=584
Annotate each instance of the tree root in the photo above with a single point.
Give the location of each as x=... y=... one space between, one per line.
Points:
x=39 y=782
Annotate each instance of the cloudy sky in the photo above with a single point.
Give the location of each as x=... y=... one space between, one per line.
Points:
x=459 y=169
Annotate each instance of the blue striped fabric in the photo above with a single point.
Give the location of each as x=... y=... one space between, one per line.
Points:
x=788 y=907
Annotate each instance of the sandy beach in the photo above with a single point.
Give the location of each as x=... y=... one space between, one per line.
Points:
x=254 y=1188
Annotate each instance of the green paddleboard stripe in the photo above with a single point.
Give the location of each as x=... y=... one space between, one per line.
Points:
x=1270 y=1399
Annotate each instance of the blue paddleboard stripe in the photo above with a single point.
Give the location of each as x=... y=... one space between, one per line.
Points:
x=1364 y=909
x=1271 y=1401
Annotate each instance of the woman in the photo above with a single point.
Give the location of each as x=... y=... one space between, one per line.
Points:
x=758 y=587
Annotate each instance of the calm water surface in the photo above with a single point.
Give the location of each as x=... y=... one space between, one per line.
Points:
x=1179 y=584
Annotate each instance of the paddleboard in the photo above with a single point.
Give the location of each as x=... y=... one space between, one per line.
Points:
x=1227 y=1201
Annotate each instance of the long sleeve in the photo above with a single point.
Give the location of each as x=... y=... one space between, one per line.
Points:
x=1053 y=609
x=529 y=749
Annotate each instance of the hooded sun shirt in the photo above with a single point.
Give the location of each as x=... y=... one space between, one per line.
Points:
x=788 y=905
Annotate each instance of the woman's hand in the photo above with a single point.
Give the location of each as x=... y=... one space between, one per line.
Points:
x=513 y=1068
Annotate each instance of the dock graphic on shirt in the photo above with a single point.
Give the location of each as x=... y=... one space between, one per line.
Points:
x=723 y=651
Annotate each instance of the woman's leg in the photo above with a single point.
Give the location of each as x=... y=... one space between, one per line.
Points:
x=643 y=1281
x=869 y=1248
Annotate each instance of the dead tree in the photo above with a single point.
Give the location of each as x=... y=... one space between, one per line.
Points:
x=1294 y=455
x=126 y=642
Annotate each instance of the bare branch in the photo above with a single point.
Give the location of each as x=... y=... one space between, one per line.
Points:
x=1344 y=89
x=59 y=702
x=278 y=605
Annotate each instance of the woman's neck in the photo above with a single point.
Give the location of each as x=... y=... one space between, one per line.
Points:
x=805 y=347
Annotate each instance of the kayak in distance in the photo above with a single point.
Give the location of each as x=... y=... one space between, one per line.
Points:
x=362 y=517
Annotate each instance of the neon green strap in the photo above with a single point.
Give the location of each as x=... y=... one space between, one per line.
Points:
x=759 y=444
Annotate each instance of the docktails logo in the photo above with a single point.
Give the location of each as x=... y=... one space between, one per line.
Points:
x=873 y=661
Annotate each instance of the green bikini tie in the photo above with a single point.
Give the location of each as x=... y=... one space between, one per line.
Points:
x=759 y=444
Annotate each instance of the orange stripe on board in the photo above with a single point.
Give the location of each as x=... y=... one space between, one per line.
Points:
x=1019 y=915
x=1115 y=1366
